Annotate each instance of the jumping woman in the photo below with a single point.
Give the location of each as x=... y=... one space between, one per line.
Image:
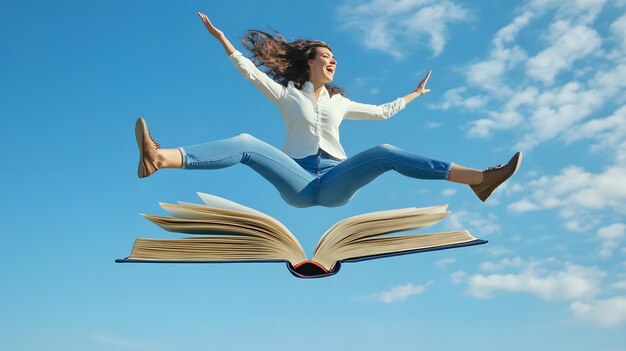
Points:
x=311 y=168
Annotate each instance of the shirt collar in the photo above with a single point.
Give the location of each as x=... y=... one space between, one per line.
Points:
x=308 y=87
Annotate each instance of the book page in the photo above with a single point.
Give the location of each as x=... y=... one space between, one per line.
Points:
x=392 y=245
x=379 y=223
x=212 y=249
x=196 y=218
x=219 y=202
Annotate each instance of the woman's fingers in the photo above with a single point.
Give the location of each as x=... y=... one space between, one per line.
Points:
x=425 y=80
x=421 y=87
x=207 y=23
x=204 y=18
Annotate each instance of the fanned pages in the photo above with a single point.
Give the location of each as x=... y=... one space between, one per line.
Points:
x=225 y=231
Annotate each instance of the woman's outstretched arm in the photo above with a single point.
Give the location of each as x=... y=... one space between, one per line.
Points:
x=420 y=90
x=218 y=34
x=246 y=68
x=355 y=110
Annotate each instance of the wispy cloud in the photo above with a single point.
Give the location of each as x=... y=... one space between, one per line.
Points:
x=400 y=293
x=611 y=237
x=579 y=195
x=475 y=222
x=619 y=30
x=609 y=312
x=608 y=134
x=570 y=282
x=502 y=264
x=458 y=277
x=454 y=98
x=555 y=111
x=508 y=76
x=498 y=250
x=551 y=279
x=568 y=43
x=448 y=192
x=445 y=262
x=396 y=26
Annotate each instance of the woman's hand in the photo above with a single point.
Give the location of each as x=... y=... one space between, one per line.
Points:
x=209 y=26
x=218 y=34
x=421 y=87
x=420 y=90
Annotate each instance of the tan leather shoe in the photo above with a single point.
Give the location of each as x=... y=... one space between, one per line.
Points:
x=494 y=176
x=147 y=149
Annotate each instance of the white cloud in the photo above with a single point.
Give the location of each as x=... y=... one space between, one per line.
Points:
x=502 y=264
x=583 y=222
x=487 y=74
x=395 y=26
x=609 y=312
x=432 y=20
x=620 y=285
x=568 y=44
x=542 y=114
x=400 y=293
x=453 y=98
x=434 y=124
x=509 y=117
x=553 y=280
x=458 y=277
x=508 y=33
x=611 y=82
x=608 y=133
x=577 y=193
x=448 y=192
x=474 y=222
x=584 y=11
x=445 y=262
x=618 y=27
x=498 y=250
x=571 y=282
x=557 y=110
x=523 y=205
x=611 y=236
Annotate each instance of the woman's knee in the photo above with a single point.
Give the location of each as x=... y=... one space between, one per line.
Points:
x=386 y=147
x=248 y=142
x=333 y=199
x=297 y=200
x=245 y=137
x=384 y=150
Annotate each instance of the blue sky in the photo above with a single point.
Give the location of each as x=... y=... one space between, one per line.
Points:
x=543 y=76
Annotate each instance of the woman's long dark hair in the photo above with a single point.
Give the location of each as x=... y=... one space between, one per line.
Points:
x=286 y=61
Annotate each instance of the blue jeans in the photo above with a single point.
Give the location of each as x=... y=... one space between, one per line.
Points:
x=314 y=180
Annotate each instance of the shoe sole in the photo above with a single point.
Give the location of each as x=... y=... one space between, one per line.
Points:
x=139 y=135
x=490 y=191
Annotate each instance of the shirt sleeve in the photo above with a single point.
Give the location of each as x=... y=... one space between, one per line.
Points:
x=359 y=111
x=262 y=81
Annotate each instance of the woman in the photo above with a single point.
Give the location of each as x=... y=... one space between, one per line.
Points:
x=311 y=168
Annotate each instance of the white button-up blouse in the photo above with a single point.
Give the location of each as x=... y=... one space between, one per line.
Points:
x=311 y=123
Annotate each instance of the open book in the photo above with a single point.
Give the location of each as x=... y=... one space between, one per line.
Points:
x=226 y=231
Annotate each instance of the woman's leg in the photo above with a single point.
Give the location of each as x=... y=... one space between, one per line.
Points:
x=289 y=178
x=464 y=175
x=339 y=184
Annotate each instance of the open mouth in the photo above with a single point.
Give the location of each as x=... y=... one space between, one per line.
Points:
x=330 y=69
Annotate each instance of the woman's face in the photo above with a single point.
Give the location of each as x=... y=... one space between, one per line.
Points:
x=322 y=67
